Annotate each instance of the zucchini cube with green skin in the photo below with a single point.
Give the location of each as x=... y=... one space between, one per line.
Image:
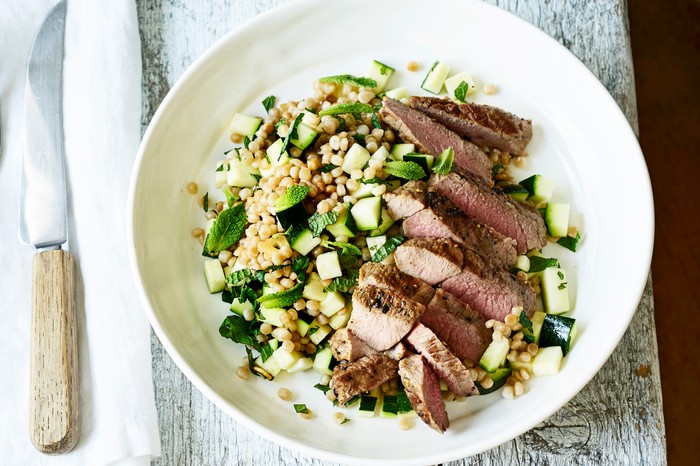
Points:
x=398 y=93
x=314 y=288
x=214 y=275
x=340 y=319
x=453 y=82
x=245 y=125
x=385 y=223
x=240 y=307
x=399 y=150
x=375 y=242
x=333 y=303
x=495 y=355
x=436 y=77
x=556 y=217
x=321 y=332
x=301 y=365
x=539 y=187
x=328 y=265
x=548 y=361
x=277 y=158
x=272 y=316
x=270 y=365
x=240 y=174
x=305 y=136
x=366 y=213
x=555 y=290
x=304 y=242
x=322 y=361
x=302 y=327
x=381 y=73
x=345 y=225
x=363 y=190
x=368 y=406
x=425 y=161
x=355 y=158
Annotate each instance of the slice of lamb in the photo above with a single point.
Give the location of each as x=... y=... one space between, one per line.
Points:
x=394 y=280
x=381 y=317
x=432 y=260
x=432 y=138
x=423 y=390
x=458 y=325
x=406 y=200
x=354 y=378
x=489 y=291
x=346 y=346
x=444 y=363
x=482 y=124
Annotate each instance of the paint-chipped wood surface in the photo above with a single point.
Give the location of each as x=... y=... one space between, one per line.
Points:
x=616 y=419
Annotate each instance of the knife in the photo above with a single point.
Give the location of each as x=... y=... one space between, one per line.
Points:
x=54 y=407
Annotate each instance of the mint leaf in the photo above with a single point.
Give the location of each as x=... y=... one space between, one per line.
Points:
x=327 y=168
x=256 y=177
x=525 y=321
x=283 y=121
x=350 y=107
x=388 y=247
x=497 y=169
x=343 y=284
x=461 y=91
x=301 y=408
x=226 y=230
x=205 y=202
x=240 y=277
x=246 y=141
x=443 y=164
x=300 y=265
x=269 y=102
x=570 y=242
x=317 y=222
x=230 y=198
x=283 y=298
x=292 y=134
x=375 y=121
x=406 y=170
x=291 y=197
x=538 y=264
x=323 y=388
x=345 y=248
x=349 y=79
x=238 y=329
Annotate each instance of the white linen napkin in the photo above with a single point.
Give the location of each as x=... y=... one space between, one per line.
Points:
x=102 y=119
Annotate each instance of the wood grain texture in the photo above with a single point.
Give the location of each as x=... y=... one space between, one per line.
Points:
x=616 y=419
x=54 y=402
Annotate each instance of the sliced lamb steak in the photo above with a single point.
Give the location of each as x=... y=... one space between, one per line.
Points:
x=346 y=346
x=394 y=280
x=381 y=317
x=406 y=200
x=516 y=220
x=482 y=124
x=423 y=390
x=354 y=378
x=432 y=138
x=430 y=259
x=454 y=322
x=490 y=291
x=444 y=363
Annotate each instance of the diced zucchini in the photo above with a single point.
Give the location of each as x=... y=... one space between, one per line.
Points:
x=302 y=327
x=301 y=365
x=356 y=157
x=403 y=405
x=385 y=222
x=240 y=173
x=399 y=150
x=547 y=361
x=453 y=82
x=333 y=303
x=398 y=93
x=363 y=190
x=368 y=406
x=245 y=125
x=276 y=156
x=380 y=154
x=286 y=359
x=495 y=355
x=240 y=307
x=303 y=241
x=314 y=288
x=557 y=331
x=270 y=366
x=374 y=242
x=293 y=216
x=389 y=407
x=380 y=73
x=305 y=136
x=214 y=275
x=392 y=185
x=272 y=315
x=321 y=332
x=436 y=77
x=424 y=160
x=555 y=290
x=523 y=263
x=341 y=318
x=322 y=361
x=367 y=212
x=537 y=320
x=345 y=225
x=221 y=177
x=516 y=191
x=517 y=365
x=539 y=188
x=328 y=265
x=499 y=378
x=556 y=216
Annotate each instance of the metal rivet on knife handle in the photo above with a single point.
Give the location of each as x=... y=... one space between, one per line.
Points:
x=54 y=395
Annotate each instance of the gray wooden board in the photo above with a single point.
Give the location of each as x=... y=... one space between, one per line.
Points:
x=616 y=419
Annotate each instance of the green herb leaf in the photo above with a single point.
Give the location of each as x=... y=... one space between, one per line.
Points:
x=299 y=266
x=352 y=401
x=359 y=137
x=238 y=329
x=525 y=321
x=240 y=277
x=282 y=121
x=205 y=203
x=375 y=121
x=314 y=329
x=317 y=222
x=283 y=298
x=388 y=247
x=292 y=134
x=374 y=180
x=345 y=248
x=461 y=91
x=443 y=164
x=327 y=168
x=246 y=141
x=497 y=169
x=311 y=110
x=560 y=275
x=349 y=79
x=323 y=388
x=562 y=286
x=226 y=230
x=301 y=408
x=269 y=102
x=345 y=421
x=343 y=284
x=220 y=168
x=570 y=242
x=230 y=198
x=538 y=264
x=405 y=170
x=350 y=107
x=291 y=196
x=256 y=177
x=346 y=261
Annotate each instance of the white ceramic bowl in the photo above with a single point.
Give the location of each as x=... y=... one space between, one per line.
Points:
x=581 y=140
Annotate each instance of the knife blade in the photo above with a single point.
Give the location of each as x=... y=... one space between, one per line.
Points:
x=54 y=407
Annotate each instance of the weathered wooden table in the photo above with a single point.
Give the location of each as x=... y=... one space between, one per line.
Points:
x=616 y=419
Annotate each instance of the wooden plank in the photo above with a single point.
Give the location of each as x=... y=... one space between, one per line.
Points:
x=617 y=418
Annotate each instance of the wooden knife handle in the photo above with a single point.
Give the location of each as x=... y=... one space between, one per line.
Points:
x=54 y=411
